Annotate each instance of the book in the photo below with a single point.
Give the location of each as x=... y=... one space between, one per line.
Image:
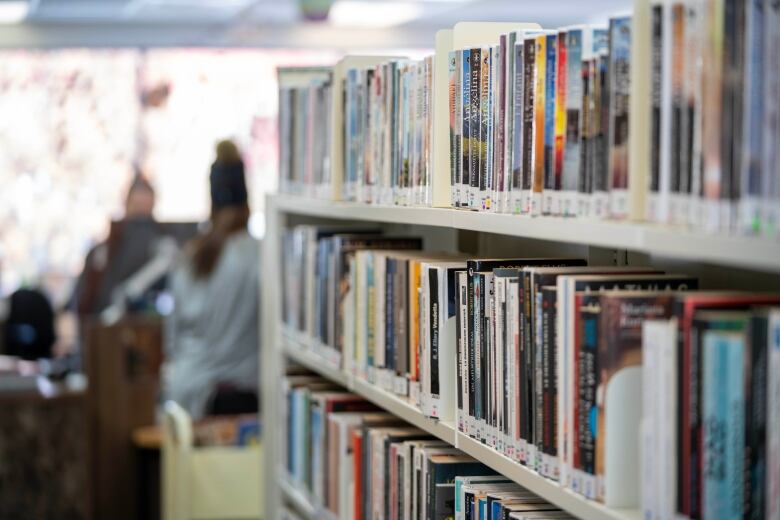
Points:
x=723 y=418
x=618 y=124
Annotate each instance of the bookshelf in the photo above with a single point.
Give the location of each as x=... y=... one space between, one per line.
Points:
x=717 y=260
x=293 y=348
x=761 y=257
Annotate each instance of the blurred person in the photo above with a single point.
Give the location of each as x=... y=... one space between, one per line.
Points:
x=27 y=319
x=212 y=333
x=110 y=263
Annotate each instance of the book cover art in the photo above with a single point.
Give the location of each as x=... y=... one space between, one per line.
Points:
x=619 y=87
x=620 y=389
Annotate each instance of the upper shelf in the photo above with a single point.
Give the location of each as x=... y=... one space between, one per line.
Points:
x=759 y=253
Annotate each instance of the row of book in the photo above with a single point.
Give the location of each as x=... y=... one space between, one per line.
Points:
x=388 y=128
x=304 y=136
x=540 y=121
x=353 y=462
x=543 y=359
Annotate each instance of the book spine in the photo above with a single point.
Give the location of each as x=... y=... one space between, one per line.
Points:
x=586 y=387
x=475 y=124
x=549 y=381
x=518 y=98
x=550 y=196
x=573 y=126
x=756 y=421
x=452 y=72
x=773 y=418
x=560 y=120
x=584 y=178
x=723 y=418
x=462 y=374
x=471 y=352
x=434 y=309
x=513 y=313
x=749 y=218
x=540 y=77
x=485 y=127
x=529 y=106
x=538 y=361
x=465 y=147
x=770 y=130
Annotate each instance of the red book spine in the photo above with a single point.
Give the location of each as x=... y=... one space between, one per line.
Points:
x=357 y=460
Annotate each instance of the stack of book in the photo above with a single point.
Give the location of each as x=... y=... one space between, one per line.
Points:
x=555 y=364
x=667 y=116
x=351 y=461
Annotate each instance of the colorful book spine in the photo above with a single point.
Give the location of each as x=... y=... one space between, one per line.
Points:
x=550 y=195
x=619 y=66
x=723 y=418
x=540 y=77
x=560 y=119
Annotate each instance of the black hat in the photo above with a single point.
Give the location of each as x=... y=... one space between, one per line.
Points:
x=228 y=185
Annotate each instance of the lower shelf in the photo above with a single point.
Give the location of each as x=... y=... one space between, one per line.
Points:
x=302 y=351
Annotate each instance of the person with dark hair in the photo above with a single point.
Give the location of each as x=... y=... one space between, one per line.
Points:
x=28 y=330
x=212 y=333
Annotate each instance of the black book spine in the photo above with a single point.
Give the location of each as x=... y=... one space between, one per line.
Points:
x=589 y=316
x=433 y=313
x=549 y=384
x=470 y=357
x=522 y=383
x=756 y=416
x=528 y=360
x=461 y=300
x=477 y=321
x=529 y=57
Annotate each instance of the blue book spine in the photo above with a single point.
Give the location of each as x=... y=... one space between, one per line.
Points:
x=549 y=116
x=370 y=310
x=723 y=412
x=389 y=315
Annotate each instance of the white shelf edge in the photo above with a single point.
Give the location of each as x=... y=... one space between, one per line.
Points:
x=545 y=488
x=295 y=496
x=294 y=346
x=758 y=253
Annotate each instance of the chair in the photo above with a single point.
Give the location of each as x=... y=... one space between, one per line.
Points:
x=204 y=483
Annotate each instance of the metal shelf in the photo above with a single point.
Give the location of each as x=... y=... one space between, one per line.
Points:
x=297 y=348
x=759 y=253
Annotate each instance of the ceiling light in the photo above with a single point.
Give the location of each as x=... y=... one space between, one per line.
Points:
x=357 y=13
x=13 y=11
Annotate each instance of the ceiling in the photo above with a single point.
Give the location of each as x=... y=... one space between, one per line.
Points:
x=353 y=24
